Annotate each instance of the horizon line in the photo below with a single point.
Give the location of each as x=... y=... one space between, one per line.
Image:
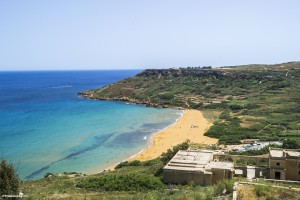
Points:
x=41 y=70
x=116 y=69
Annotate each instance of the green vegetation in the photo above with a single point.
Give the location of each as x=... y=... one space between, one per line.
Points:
x=269 y=191
x=261 y=190
x=64 y=188
x=250 y=152
x=155 y=166
x=228 y=130
x=9 y=181
x=290 y=144
x=129 y=180
x=256 y=101
x=134 y=181
x=245 y=102
x=122 y=184
x=221 y=190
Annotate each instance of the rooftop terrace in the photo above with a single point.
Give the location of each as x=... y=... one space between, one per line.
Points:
x=195 y=160
x=282 y=153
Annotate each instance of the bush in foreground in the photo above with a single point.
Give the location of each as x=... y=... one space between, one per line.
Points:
x=122 y=182
x=9 y=180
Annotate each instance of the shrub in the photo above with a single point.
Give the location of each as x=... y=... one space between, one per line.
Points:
x=235 y=107
x=225 y=185
x=134 y=181
x=151 y=162
x=225 y=115
x=261 y=190
x=122 y=164
x=250 y=106
x=126 y=163
x=138 y=163
x=270 y=198
x=222 y=105
x=166 y=96
x=290 y=144
x=9 y=180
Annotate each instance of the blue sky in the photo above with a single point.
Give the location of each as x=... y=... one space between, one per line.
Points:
x=129 y=34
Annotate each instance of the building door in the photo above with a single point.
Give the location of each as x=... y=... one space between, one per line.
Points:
x=277 y=175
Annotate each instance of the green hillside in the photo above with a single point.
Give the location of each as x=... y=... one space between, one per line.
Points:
x=255 y=101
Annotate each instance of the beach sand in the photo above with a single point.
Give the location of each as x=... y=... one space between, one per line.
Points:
x=191 y=125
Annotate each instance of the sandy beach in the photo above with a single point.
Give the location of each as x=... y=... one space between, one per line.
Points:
x=191 y=125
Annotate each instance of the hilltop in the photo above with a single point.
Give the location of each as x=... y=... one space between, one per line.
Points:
x=255 y=101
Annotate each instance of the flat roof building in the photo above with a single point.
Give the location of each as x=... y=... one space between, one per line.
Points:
x=197 y=167
x=202 y=168
x=284 y=164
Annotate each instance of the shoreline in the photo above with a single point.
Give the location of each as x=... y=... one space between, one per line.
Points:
x=191 y=124
x=89 y=95
x=112 y=167
x=152 y=137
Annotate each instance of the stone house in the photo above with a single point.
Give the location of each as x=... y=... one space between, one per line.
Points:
x=197 y=167
x=284 y=164
x=203 y=167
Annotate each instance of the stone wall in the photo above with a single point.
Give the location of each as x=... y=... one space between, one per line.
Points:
x=187 y=177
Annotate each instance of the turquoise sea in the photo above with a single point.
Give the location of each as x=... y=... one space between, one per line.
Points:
x=46 y=127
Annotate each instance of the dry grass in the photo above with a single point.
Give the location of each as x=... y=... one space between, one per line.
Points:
x=253 y=192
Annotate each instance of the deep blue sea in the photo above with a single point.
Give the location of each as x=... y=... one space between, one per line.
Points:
x=46 y=127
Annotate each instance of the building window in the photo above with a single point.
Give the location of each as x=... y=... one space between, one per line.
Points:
x=278 y=164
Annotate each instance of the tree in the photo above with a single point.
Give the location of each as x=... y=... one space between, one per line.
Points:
x=9 y=180
x=290 y=144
